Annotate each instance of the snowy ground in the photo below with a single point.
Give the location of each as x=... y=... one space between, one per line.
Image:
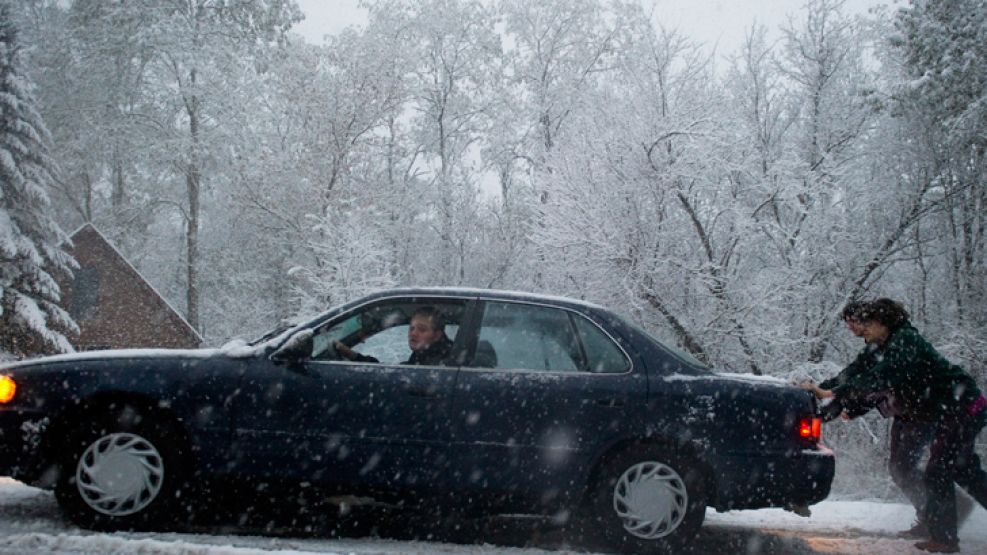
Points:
x=30 y=522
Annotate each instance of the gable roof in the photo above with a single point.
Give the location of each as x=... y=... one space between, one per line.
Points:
x=136 y=301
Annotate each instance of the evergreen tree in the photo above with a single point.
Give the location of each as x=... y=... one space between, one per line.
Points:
x=944 y=44
x=31 y=321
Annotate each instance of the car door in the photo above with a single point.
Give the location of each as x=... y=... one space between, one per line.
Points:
x=370 y=423
x=544 y=390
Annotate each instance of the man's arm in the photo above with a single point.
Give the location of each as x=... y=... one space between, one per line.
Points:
x=350 y=354
x=864 y=360
x=888 y=373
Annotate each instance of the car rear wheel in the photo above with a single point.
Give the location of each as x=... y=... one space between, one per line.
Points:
x=121 y=471
x=648 y=500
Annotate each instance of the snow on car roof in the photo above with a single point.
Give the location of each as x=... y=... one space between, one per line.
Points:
x=501 y=293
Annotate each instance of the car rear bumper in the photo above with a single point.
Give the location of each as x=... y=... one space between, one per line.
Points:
x=20 y=442
x=757 y=481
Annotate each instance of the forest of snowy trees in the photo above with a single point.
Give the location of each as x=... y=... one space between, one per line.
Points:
x=729 y=203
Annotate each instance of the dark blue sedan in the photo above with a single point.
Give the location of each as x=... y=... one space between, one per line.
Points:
x=515 y=403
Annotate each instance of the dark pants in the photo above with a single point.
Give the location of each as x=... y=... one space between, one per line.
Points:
x=952 y=459
x=908 y=442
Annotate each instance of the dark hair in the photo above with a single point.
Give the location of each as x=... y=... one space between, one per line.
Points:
x=433 y=314
x=888 y=312
x=852 y=310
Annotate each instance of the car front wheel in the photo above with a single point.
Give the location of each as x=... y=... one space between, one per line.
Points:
x=121 y=472
x=649 y=500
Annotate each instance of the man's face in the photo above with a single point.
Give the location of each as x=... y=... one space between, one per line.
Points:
x=421 y=334
x=874 y=332
x=855 y=326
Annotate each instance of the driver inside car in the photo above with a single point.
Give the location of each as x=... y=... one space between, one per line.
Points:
x=429 y=344
x=427 y=337
x=349 y=354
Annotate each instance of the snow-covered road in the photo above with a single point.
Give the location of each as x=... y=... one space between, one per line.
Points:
x=30 y=522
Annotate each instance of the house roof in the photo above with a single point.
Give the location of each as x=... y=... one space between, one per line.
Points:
x=89 y=228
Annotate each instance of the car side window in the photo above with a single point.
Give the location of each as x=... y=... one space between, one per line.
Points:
x=391 y=345
x=602 y=354
x=378 y=333
x=527 y=337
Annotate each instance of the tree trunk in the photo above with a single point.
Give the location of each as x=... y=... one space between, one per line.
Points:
x=192 y=181
x=119 y=195
x=685 y=339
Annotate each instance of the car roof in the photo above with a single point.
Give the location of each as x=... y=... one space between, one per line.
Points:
x=488 y=294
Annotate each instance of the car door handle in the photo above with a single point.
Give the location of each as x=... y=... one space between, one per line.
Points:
x=423 y=392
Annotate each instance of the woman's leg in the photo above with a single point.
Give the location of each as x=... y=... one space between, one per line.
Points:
x=970 y=474
x=952 y=459
x=908 y=441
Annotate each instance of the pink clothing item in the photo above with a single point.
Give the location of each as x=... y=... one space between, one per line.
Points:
x=978 y=406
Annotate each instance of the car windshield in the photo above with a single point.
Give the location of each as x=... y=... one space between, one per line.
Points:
x=282 y=327
x=270 y=335
x=289 y=323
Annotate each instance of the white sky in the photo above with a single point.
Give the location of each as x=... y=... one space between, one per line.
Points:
x=720 y=22
x=327 y=17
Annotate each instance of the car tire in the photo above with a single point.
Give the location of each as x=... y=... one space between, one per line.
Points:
x=122 y=471
x=647 y=500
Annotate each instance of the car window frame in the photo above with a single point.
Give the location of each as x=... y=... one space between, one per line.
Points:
x=613 y=341
x=459 y=343
x=474 y=330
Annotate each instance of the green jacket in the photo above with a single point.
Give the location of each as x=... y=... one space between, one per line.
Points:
x=867 y=358
x=922 y=383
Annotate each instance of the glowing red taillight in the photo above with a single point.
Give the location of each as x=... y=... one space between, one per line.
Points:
x=7 y=389
x=811 y=428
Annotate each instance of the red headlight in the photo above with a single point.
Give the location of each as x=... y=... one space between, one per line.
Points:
x=811 y=428
x=7 y=389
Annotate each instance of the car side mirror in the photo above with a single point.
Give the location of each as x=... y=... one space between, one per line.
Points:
x=295 y=348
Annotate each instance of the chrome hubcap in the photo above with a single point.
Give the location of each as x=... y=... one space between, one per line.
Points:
x=119 y=474
x=651 y=500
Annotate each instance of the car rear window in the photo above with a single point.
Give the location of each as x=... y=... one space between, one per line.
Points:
x=602 y=354
x=523 y=336
x=529 y=337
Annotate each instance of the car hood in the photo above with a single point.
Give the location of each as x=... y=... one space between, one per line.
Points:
x=234 y=349
x=114 y=354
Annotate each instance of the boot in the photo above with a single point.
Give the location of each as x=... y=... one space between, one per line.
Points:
x=964 y=507
x=918 y=531
x=936 y=546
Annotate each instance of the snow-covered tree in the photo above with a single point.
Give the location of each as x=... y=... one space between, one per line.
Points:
x=941 y=94
x=351 y=259
x=457 y=53
x=732 y=213
x=30 y=240
x=188 y=56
